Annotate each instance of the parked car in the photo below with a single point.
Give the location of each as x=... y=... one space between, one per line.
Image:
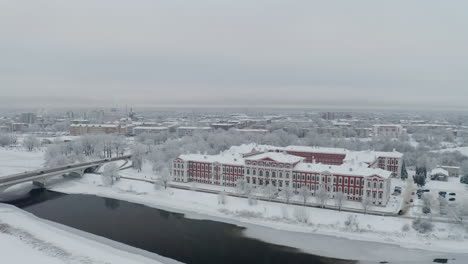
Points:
x=452 y=199
x=453 y=194
x=411 y=200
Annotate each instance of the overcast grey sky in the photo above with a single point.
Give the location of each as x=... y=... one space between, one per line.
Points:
x=410 y=54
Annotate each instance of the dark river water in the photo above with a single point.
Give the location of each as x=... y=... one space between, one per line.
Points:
x=161 y=232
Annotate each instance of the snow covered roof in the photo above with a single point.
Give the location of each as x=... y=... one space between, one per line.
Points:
x=150 y=128
x=276 y=156
x=315 y=149
x=345 y=169
x=439 y=171
x=94 y=125
x=224 y=158
x=203 y=128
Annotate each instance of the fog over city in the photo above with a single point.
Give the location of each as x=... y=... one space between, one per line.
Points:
x=345 y=54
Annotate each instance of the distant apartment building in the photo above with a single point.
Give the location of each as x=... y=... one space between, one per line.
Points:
x=28 y=118
x=388 y=130
x=252 y=131
x=190 y=131
x=150 y=130
x=82 y=129
x=79 y=121
x=225 y=126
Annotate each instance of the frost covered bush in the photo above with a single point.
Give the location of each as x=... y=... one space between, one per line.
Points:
x=423 y=226
x=301 y=214
x=351 y=223
x=248 y=214
x=222 y=198
x=405 y=228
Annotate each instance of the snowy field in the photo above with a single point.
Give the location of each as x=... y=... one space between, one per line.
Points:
x=297 y=221
x=17 y=160
x=25 y=238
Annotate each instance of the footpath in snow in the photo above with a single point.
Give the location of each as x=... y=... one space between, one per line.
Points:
x=314 y=230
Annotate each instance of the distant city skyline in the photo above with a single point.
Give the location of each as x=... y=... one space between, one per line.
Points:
x=265 y=54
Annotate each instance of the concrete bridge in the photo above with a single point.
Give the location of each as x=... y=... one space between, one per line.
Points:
x=39 y=177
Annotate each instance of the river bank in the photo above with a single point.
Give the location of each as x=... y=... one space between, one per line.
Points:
x=278 y=225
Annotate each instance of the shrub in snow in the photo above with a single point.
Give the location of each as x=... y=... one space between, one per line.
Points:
x=423 y=226
x=252 y=200
x=351 y=223
x=248 y=214
x=405 y=228
x=284 y=212
x=301 y=214
x=222 y=198
x=426 y=210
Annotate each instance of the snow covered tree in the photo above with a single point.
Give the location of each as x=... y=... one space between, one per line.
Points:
x=366 y=203
x=404 y=172
x=339 y=199
x=304 y=193
x=420 y=180
x=222 y=198
x=287 y=193
x=7 y=140
x=241 y=185
x=322 y=196
x=138 y=152
x=31 y=142
x=269 y=191
x=301 y=214
x=110 y=173
x=164 y=178
x=464 y=179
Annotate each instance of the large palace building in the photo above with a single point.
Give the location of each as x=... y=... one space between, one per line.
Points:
x=337 y=170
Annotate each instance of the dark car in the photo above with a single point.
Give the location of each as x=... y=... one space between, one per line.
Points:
x=452 y=194
x=452 y=199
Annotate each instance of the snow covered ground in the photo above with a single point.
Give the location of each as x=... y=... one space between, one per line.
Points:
x=17 y=160
x=358 y=227
x=25 y=238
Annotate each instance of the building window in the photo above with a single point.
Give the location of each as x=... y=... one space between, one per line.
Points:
x=380 y=195
x=340 y=180
x=248 y=171
x=381 y=185
x=352 y=181
x=346 y=181
x=375 y=185
x=368 y=184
